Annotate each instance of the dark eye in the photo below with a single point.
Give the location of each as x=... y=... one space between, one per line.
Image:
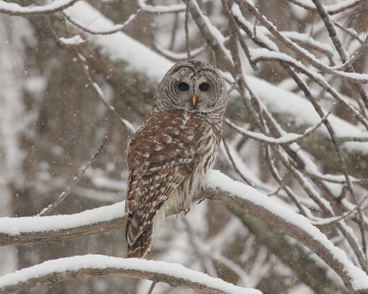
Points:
x=183 y=87
x=204 y=87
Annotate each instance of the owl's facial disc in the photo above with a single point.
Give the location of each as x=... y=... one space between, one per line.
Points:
x=192 y=86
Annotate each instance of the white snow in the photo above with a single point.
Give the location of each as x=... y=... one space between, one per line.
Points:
x=15 y=226
x=119 y=46
x=284 y=139
x=102 y=262
x=161 y=8
x=220 y=39
x=285 y=102
x=260 y=31
x=307 y=39
x=329 y=8
x=13 y=8
x=75 y=40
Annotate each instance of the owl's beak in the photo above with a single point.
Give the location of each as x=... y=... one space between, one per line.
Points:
x=194 y=100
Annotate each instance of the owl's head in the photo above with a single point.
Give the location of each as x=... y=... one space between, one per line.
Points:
x=194 y=86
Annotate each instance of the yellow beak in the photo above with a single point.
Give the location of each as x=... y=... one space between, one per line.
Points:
x=194 y=100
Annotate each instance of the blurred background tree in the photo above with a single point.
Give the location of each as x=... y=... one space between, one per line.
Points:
x=283 y=78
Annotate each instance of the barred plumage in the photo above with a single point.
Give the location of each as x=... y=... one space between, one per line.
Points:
x=170 y=154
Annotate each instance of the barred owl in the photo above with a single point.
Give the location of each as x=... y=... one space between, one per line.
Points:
x=170 y=154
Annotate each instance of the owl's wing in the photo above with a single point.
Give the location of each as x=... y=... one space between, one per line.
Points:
x=161 y=156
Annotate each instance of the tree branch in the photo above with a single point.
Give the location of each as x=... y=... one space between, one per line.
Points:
x=16 y=9
x=32 y=230
x=63 y=269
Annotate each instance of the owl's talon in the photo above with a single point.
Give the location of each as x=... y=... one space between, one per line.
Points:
x=186 y=210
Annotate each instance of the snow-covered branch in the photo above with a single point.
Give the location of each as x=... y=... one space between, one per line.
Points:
x=31 y=230
x=331 y=9
x=15 y=9
x=63 y=269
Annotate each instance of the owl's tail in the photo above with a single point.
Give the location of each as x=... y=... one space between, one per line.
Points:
x=142 y=245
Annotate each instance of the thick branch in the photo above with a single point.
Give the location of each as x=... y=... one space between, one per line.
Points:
x=56 y=271
x=32 y=230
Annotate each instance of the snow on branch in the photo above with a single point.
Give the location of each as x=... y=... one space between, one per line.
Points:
x=305 y=54
x=114 y=29
x=31 y=230
x=285 y=139
x=119 y=46
x=212 y=35
x=16 y=9
x=282 y=102
x=248 y=199
x=179 y=56
x=331 y=9
x=55 y=271
x=161 y=8
x=217 y=186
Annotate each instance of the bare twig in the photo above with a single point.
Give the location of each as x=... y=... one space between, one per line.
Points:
x=179 y=56
x=115 y=29
x=332 y=9
x=76 y=179
x=322 y=82
x=213 y=37
x=236 y=29
x=285 y=140
x=281 y=185
x=349 y=63
x=324 y=206
x=331 y=131
x=340 y=140
x=292 y=285
x=355 y=78
x=234 y=164
x=284 y=60
x=154 y=282
x=349 y=31
x=186 y=27
x=286 y=188
x=99 y=92
x=344 y=216
x=342 y=52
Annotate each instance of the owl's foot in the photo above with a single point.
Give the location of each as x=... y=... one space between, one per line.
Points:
x=186 y=210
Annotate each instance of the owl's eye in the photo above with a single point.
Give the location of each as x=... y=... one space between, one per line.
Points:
x=183 y=87
x=204 y=87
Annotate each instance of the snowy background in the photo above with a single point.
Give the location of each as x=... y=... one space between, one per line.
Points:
x=289 y=193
